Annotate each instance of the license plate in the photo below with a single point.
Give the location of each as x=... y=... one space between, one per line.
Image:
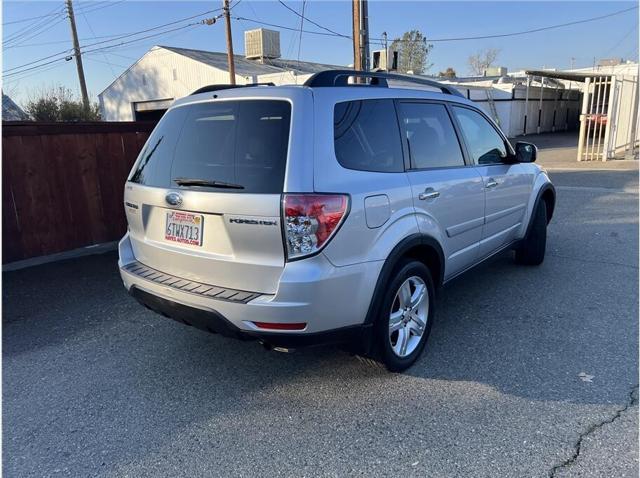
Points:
x=184 y=227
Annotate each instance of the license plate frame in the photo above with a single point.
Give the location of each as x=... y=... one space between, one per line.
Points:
x=184 y=228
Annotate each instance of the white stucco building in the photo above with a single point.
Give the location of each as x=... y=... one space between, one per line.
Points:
x=147 y=88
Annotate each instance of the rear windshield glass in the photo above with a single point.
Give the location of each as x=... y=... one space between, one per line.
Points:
x=226 y=146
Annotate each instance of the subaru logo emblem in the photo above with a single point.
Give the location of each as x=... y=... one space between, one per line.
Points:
x=174 y=199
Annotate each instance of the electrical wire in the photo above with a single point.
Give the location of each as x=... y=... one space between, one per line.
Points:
x=621 y=40
x=93 y=8
x=39 y=32
x=111 y=65
x=533 y=30
x=67 y=51
x=311 y=21
x=94 y=34
x=22 y=20
x=34 y=29
x=12 y=73
x=295 y=29
x=125 y=35
x=304 y=3
x=434 y=40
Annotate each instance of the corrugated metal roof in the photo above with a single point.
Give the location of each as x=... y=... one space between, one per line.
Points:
x=11 y=111
x=219 y=60
x=251 y=67
x=302 y=66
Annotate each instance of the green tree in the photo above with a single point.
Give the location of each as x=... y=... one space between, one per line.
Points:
x=60 y=104
x=448 y=73
x=413 y=51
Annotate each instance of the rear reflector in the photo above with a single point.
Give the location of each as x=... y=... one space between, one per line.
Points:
x=280 y=326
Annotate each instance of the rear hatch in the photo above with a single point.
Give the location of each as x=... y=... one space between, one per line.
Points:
x=203 y=199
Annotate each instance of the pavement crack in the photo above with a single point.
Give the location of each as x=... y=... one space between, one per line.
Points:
x=631 y=400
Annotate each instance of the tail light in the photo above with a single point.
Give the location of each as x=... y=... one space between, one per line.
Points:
x=310 y=220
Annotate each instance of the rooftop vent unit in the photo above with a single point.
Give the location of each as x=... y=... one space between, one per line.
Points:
x=261 y=44
x=495 y=71
x=385 y=62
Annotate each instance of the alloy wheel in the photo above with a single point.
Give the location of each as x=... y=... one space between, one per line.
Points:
x=408 y=316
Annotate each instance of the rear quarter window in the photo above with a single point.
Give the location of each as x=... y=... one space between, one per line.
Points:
x=238 y=142
x=367 y=136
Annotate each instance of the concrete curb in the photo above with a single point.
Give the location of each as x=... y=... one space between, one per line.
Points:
x=61 y=256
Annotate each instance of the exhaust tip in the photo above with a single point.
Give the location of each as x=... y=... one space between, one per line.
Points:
x=270 y=347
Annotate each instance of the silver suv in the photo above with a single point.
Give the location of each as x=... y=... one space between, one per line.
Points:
x=325 y=213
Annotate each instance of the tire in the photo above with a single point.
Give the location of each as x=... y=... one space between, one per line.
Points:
x=531 y=251
x=387 y=345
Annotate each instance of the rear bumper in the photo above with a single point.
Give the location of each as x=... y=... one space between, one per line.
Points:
x=212 y=321
x=332 y=301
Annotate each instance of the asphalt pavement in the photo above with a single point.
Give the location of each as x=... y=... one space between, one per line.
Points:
x=529 y=371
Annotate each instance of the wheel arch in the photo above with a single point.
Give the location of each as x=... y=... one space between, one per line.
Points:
x=418 y=246
x=546 y=193
x=549 y=197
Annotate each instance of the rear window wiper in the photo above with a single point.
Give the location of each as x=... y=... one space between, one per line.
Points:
x=206 y=183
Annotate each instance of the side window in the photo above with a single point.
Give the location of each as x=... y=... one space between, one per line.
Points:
x=430 y=135
x=366 y=136
x=485 y=145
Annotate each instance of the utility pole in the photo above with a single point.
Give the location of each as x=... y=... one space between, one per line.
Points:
x=357 y=57
x=232 y=67
x=364 y=42
x=360 y=35
x=386 y=51
x=76 y=53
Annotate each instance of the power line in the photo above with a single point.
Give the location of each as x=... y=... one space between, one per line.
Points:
x=34 y=29
x=111 y=65
x=18 y=78
x=304 y=3
x=93 y=8
x=534 y=30
x=67 y=51
x=311 y=21
x=94 y=34
x=127 y=35
x=259 y=22
x=118 y=36
x=621 y=40
x=479 y=37
x=39 y=32
x=97 y=49
x=22 y=20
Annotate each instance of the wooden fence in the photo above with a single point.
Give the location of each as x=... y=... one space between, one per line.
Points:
x=62 y=184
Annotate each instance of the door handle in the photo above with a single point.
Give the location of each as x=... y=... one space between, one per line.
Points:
x=428 y=193
x=492 y=183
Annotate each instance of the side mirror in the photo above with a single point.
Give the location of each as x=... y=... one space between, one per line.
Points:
x=526 y=152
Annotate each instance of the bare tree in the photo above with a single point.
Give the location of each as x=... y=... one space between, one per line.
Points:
x=413 y=51
x=482 y=60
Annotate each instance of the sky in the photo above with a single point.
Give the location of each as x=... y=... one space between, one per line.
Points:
x=26 y=42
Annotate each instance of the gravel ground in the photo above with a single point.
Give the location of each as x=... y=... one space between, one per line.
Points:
x=96 y=385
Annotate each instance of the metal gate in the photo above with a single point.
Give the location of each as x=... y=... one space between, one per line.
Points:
x=609 y=115
x=623 y=140
x=594 y=119
x=609 y=119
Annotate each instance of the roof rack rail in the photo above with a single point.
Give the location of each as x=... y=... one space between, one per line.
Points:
x=329 y=78
x=210 y=88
